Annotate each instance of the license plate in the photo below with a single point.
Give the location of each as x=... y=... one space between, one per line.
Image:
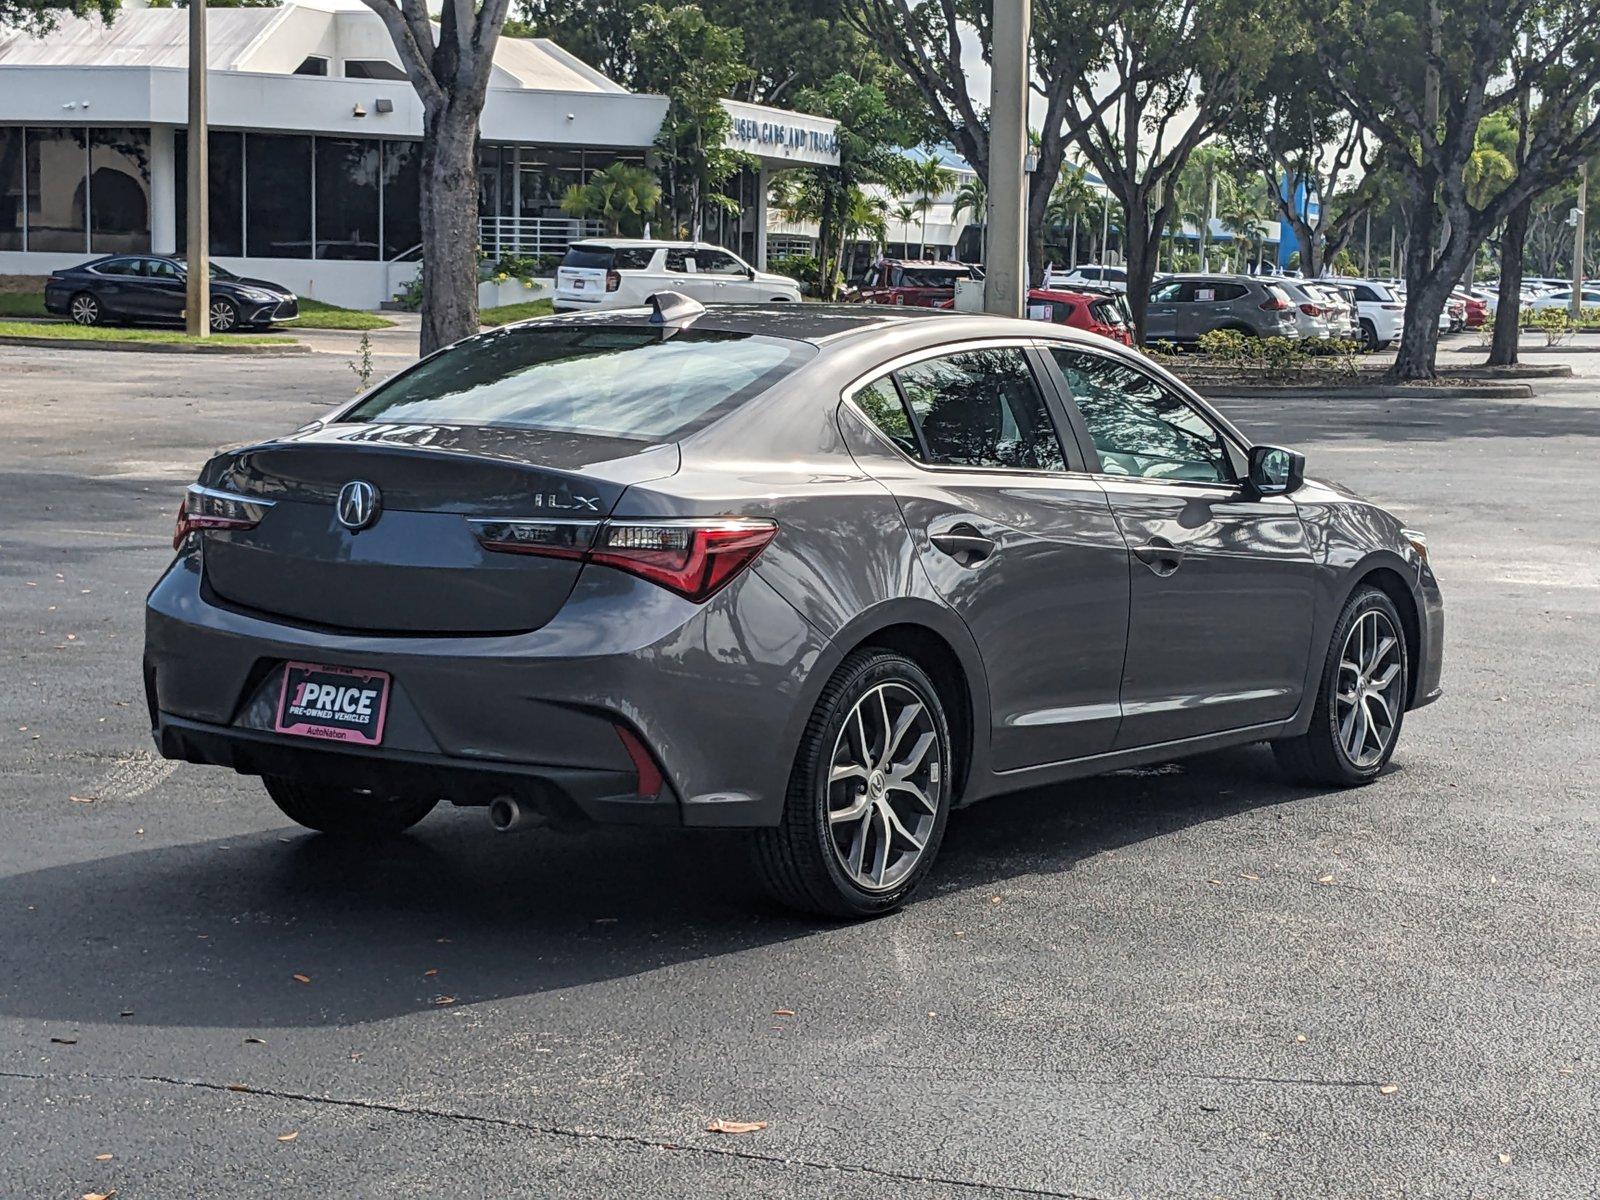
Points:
x=335 y=704
x=579 y=284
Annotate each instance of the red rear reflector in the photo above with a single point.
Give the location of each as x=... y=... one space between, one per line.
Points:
x=644 y=765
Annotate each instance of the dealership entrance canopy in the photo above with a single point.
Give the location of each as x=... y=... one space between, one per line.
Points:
x=314 y=151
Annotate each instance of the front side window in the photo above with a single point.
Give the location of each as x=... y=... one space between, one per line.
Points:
x=616 y=382
x=1141 y=427
x=718 y=262
x=981 y=408
x=1172 y=293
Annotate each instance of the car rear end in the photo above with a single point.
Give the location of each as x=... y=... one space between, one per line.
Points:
x=1311 y=314
x=481 y=581
x=58 y=289
x=1270 y=311
x=590 y=277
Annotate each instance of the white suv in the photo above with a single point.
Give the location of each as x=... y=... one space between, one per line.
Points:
x=622 y=272
x=1382 y=312
x=1110 y=278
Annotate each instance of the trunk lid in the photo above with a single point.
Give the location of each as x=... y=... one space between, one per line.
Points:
x=416 y=567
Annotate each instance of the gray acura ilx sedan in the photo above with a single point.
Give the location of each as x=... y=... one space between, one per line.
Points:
x=822 y=573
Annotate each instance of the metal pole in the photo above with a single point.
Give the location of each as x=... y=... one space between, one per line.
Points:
x=197 y=302
x=1006 y=282
x=1579 y=232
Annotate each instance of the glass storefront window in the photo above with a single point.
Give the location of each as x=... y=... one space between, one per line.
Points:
x=347 y=198
x=226 y=174
x=402 y=174
x=277 y=173
x=12 y=200
x=119 y=191
x=58 y=193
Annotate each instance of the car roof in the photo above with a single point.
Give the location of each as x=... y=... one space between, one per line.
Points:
x=821 y=324
x=622 y=243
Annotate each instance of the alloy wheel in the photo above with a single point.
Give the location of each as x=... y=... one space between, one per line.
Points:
x=85 y=310
x=883 y=786
x=222 y=316
x=1370 y=667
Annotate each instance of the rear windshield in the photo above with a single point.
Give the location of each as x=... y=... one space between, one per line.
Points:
x=930 y=277
x=627 y=382
x=605 y=258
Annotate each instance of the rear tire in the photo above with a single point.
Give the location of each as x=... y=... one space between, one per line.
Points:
x=869 y=794
x=344 y=812
x=85 y=309
x=1361 y=698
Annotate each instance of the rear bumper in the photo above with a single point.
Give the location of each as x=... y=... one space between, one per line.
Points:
x=709 y=690
x=564 y=794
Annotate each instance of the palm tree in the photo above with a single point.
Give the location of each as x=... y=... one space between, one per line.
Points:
x=931 y=179
x=1071 y=199
x=622 y=193
x=973 y=197
x=905 y=213
x=1242 y=218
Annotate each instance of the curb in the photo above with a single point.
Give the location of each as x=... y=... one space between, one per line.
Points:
x=268 y=349
x=1490 y=391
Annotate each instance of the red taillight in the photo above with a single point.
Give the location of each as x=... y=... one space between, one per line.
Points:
x=644 y=765
x=1273 y=304
x=613 y=280
x=694 y=558
x=691 y=558
x=1393 y=307
x=202 y=508
x=1311 y=310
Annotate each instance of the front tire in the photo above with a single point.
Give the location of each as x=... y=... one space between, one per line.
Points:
x=1361 y=699
x=345 y=812
x=869 y=794
x=224 y=315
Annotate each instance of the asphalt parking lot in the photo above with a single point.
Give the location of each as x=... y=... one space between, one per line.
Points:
x=1186 y=981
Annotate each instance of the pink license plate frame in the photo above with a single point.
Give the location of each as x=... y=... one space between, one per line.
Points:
x=350 y=705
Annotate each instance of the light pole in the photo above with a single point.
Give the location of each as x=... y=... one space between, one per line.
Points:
x=1580 y=217
x=197 y=301
x=1006 y=281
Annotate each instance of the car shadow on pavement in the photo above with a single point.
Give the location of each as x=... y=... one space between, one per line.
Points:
x=285 y=928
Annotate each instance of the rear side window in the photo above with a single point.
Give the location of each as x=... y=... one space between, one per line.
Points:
x=615 y=381
x=633 y=258
x=979 y=408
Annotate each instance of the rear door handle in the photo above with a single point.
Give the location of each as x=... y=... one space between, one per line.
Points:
x=964 y=544
x=1160 y=555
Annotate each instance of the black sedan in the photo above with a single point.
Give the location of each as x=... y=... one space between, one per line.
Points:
x=153 y=288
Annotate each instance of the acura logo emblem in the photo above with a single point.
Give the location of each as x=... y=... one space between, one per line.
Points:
x=358 y=504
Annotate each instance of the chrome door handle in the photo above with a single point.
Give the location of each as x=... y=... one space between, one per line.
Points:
x=964 y=544
x=1160 y=555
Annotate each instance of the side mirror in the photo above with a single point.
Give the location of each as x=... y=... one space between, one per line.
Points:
x=1275 y=471
x=749 y=272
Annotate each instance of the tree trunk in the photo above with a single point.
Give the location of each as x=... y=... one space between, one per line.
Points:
x=448 y=211
x=1140 y=263
x=1036 y=216
x=1508 y=314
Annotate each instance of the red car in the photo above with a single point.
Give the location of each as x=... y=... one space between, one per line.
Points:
x=918 y=284
x=1096 y=312
x=1477 y=310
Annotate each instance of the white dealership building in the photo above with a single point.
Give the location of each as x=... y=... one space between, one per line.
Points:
x=314 y=146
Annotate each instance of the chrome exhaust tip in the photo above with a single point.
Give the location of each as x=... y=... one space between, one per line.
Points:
x=507 y=813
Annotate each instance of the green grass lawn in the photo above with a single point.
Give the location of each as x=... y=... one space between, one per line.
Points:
x=22 y=304
x=506 y=313
x=66 y=332
x=314 y=314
